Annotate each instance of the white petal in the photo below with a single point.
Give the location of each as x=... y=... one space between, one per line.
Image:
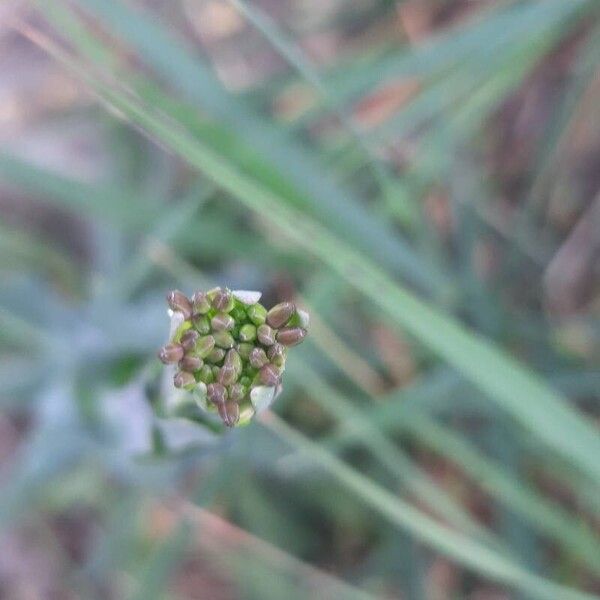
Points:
x=262 y=397
x=303 y=318
x=177 y=319
x=247 y=296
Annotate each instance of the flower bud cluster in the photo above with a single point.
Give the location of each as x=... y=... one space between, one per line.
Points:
x=230 y=351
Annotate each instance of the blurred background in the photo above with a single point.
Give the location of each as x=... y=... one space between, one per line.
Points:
x=423 y=176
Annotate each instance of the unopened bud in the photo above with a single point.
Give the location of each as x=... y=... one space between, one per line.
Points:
x=257 y=313
x=204 y=346
x=238 y=313
x=244 y=350
x=223 y=301
x=277 y=354
x=258 y=358
x=200 y=303
x=245 y=381
x=171 y=353
x=229 y=412
x=179 y=302
x=191 y=363
x=183 y=379
x=206 y=374
x=216 y=355
x=223 y=339
x=234 y=359
x=237 y=392
x=266 y=335
x=222 y=321
x=216 y=393
x=280 y=314
x=189 y=339
x=202 y=324
x=269 y=375
x=247 y=333
x=227 y=375
x=290 y=336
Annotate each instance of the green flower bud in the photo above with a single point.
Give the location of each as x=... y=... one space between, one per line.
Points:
x=171 y=353
x=290 y=336
x=238 y=313
x=244 y=350
x=223 y=339
x=179 y=302
x=277 y=354
x=215 y=371
x=223 y=301
x=280 y=314
x=216 y=355
x=266 y=335
x=246 y=412
x=191 y=363
x=247 y=333
x=237 y=392
x=257 y=313
x=222 y=321
x=202 y=324
x=269 y=375
x=200 y=303
x=227 y=375
x=229 y=413
x=189 y=339
x=204 y=346
x=206 y=374
x=216 y=393
x=258 y=358
x=245 y=381
x=183 y=379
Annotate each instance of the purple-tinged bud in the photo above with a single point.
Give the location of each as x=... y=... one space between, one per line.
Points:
x=223 y=301
x=290 y=336
x=258 y=358
x=216 y=393
x=223 y=339
x=183 y=379
x=206 y=374
x=266 y=336
x=247 y=333
x=200 y=303
x=202 y=324
x=222 y=321
x=179 y=302
x=216 y=355
x=277 y=354
x=237 y=392
x=171 y=353
x=189 y=339
x=257 y=313
x=191 y=363
x=229 y=413
x=234 y=359
x=269 y=375
x=227 y=375
x=280 y=314
x=204 y=346
x=244 y=350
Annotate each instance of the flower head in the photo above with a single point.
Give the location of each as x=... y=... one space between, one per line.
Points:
x=231 y=350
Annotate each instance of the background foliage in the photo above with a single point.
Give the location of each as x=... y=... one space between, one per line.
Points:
x=422 y=176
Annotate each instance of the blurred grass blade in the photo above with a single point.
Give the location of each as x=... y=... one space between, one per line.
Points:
x=513 y=386
x=452 y=544
x=315 y=189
